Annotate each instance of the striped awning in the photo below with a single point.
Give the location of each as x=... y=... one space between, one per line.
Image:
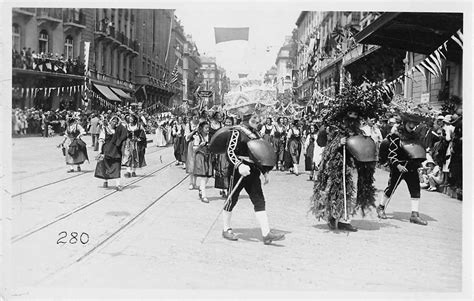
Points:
x=121 y=93
x=107 y=92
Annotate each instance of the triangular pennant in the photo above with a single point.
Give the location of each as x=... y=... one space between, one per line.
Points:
x=427 y=67
x=461 y=37
x=438 y=61
x=418 y=67
x=439 y=52
x=433 y=65
x=456 y=39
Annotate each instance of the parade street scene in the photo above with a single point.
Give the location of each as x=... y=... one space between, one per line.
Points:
x=236 y=151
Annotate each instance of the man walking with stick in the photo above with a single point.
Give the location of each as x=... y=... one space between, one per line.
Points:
x=244 y=149
x=405 y=154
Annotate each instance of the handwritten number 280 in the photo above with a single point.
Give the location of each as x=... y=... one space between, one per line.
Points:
x=83 y=238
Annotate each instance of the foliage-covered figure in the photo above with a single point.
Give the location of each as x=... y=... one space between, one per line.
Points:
x=343 y=121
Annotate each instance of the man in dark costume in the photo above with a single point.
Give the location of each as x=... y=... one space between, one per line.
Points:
x=242 y=166
x=343 y=131
x=405 y=154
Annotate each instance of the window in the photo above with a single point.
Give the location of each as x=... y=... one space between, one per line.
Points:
x=16 y=37
x=43 y=42
x=69 y=48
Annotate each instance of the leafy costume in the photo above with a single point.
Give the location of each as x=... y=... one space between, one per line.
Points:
x=327 y=201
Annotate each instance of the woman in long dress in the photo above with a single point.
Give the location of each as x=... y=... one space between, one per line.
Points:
x=221 y=167
x=293 y=146
x=279 y=141
x=112 y=135
x=190 y=130
x=179 y=142
x=313 y=152
x=266 y=130
x=74 y=148
x=160 y=134
x=202 y=159
x=134 y=147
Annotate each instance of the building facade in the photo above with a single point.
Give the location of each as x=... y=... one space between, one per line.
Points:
x=191 y=71
x=131 y=58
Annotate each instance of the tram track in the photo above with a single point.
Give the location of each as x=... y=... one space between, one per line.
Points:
x=84 y=206
x=64 y=179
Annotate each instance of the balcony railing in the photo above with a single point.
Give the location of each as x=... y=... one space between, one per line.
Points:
x=73 y=17
x=120 y=37
x=51 y=14
x=114 y=80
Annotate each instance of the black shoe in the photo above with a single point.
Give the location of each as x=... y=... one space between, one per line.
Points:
x=105 y=185
x=71 y=170
x=134 y=174
x=119 y=188
x=416 y=219
x=270 y=237
x=347 y=227
x=228 y=234
x=78 y=168
x=381 y=212
x=127 y=175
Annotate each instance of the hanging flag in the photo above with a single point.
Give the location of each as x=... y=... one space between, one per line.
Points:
x=225 y=34
x=174 y=73
x=437 y=61
x=439 y=52
x=58 y=91
x=86 y=55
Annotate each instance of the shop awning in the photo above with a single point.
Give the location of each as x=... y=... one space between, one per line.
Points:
x=121 y=93
x=107 y=92
x=412 y=31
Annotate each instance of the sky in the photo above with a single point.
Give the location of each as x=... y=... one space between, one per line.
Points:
x=268 y=27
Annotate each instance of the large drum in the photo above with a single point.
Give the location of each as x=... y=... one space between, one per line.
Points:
x=262 y=153
x=218 y=143
x=414 y=151
x=362 y=148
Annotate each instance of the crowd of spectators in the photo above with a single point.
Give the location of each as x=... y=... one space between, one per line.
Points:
x=30 y=60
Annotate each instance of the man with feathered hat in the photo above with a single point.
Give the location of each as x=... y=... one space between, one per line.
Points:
x=344 y=186
x=405 y=155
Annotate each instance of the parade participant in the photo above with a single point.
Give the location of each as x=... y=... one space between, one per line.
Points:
x=266 y=130
x=221 y=167
x=202 y=159
x=160 y=134
x=113 y=134
x=95 y=131
x=404 y=163
x=293 y=147
x=189 y=131
x=312 y=152
x=279 y=141
x=344 y=186
x=216 y=123
x=134 y=147
x=75 y=148
x=179 y=143
x=237 y=151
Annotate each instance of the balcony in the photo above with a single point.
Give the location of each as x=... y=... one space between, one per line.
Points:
x=151 y=81
x=108 y=34
x=73 y=19
x=51 y=15
x=93 y=74
x=28 y=12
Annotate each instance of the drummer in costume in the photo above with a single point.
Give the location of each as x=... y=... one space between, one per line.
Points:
x=405 y=155
x=238 y=153
x=328 y=200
